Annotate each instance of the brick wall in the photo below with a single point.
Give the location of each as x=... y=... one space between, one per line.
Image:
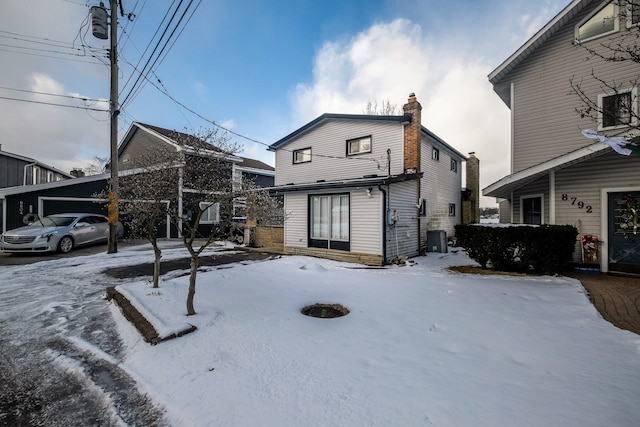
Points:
x=412 y=135
x=354 y=257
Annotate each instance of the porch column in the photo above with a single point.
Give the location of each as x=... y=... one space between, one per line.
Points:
x=552 y=197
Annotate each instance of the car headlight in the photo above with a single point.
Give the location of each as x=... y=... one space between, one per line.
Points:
x=48 y=235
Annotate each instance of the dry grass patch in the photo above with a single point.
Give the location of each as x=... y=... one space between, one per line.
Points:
x=470 y=269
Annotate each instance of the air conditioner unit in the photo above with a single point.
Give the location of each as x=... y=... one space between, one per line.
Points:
x=437 y=241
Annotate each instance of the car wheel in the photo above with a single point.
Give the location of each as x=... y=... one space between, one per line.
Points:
x=66 y=244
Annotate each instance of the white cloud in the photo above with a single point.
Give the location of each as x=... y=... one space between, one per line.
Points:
x=59 y=136
x=390 y=60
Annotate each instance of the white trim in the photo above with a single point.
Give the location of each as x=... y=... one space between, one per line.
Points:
x=596 y=10
x=532 y=196
x=513 y=120
x=629 y=15
x=538 y=170
x=538 y=38
x=634 y=107
x=604 y=223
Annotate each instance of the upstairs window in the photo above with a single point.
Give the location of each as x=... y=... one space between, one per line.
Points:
x=600 y=23
x=359 y=145
x=452 y=209
x=302 y=156
x=618 y=109
x=435 y=154
x=454 y=165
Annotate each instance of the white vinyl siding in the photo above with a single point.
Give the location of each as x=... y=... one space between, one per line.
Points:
x=329 y=160
x=366 y=221
x=295 y=219
x=440 y=186
x=365 y=233
x=402 y=238
x=545 y=123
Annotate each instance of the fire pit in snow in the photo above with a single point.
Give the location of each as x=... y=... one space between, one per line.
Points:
x=325 y=311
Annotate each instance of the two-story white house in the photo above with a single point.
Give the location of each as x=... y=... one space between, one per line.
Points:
x=366 y=188
x=557 y=175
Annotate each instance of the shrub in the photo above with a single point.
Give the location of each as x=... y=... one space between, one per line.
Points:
x=542 y=249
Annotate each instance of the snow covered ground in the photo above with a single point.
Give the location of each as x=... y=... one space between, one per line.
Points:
x=421 y=347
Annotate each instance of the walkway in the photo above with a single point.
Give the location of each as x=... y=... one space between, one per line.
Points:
x=617 y=298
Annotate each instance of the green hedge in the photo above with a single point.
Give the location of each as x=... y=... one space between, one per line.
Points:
x=541 y=249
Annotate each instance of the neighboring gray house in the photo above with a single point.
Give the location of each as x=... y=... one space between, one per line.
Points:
x=19 y=173
x=366 y=188
x=19 y=170
x=77 y=195
x=557 y=175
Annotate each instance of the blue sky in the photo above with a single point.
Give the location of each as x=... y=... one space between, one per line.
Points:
x=263 y=69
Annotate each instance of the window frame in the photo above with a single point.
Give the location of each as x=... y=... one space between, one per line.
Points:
x=616 y=22
x=633 y=113
x=360 y=139
x=435 y=154
x=629 y=17
x=329 y=241
x=205 y=211
x=452 y=209
x=522 y=212
x=302 y=152
x=454 y=165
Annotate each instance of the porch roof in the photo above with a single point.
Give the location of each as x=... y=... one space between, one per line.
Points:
x=504 y=187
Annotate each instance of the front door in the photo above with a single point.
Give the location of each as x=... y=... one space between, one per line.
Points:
x=624 y=232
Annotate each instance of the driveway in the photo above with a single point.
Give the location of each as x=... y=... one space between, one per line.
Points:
x=60 y=347
x=30 y=258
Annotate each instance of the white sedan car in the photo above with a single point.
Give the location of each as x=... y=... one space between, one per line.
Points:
x=59 y=232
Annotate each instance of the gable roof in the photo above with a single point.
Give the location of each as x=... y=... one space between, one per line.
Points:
x=552 y=27
x=326 y=117
x=331 y=117
x=185 y=140
x=36 y=162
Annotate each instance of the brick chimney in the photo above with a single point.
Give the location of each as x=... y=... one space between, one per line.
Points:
x=471 y=206
x=412 y=135
x=77 y=172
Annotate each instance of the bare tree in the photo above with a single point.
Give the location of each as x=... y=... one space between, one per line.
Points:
x=384 y=109
x=97 y=166
x=146 y=196
x=209 y=193
x=624 y=47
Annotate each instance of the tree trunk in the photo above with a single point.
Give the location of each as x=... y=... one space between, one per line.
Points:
x=192 y=285
x=156 y=264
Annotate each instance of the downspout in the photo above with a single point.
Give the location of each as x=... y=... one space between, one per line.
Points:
x=384 y=224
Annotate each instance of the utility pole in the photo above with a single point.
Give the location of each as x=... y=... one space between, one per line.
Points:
x=114 y=111
x=99 y=29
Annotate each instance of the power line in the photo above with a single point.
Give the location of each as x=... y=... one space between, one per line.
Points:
x=164 y=92
x=57 y=57
x=161 y=51
x=55 y=94
x=52 y=103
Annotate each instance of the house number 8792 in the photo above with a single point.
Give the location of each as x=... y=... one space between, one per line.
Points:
x=575 y=201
